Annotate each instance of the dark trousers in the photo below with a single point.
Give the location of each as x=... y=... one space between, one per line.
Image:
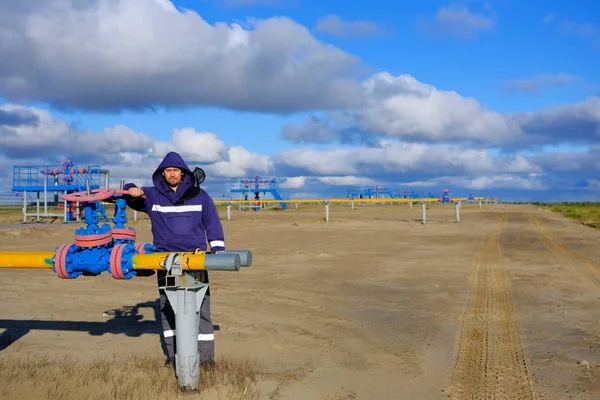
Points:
x=206 y=337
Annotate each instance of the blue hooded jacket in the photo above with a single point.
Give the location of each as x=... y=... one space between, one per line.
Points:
x=183 y=220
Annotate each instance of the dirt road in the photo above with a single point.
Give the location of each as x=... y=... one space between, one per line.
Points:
x=372 y=305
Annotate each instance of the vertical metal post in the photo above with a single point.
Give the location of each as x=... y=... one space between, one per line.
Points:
x=46 y=196
x=296 y=206
x=458 y=212
x=353 y=204
x=228 y=211
x=424 y=206
x=410 y=204
x=65 y=208
x=37 y=207
x=135 y=215
x=479 y=203
x=24 y=206
x=326 y=211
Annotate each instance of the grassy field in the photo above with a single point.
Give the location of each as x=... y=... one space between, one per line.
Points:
x=126 y=378
x=586 y=213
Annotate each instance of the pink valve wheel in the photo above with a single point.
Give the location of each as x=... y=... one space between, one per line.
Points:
x=60 y=261
x=116 y=269
x=97 y=194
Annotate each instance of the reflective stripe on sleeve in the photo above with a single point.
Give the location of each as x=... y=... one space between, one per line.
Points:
x=217 y=243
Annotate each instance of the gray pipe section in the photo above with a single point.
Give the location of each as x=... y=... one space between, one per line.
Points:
x=222 y=262
x=245 y=256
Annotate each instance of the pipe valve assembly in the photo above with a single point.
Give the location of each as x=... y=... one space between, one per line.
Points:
x=102 y=248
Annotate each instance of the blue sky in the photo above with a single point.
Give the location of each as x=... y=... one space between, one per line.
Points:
x=495 y=97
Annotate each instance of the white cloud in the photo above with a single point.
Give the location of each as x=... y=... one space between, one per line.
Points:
x=239 y=161
x=295 y=182
x=202 y=147
x=334 y=25
x=39 y=138
x=402 y=106
x=123 y=54
x=500 y=182
x=392 y=157
x=542 y=81
x=346 y=180
x=457 y=20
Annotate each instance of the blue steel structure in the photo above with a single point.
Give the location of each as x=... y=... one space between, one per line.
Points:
x=253 y=188
x=379 y=192
x=445 y=197
x=66 y=177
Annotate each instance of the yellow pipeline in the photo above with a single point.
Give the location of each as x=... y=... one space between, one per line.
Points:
x=372 y=200
x=26 y=260
x=191 y=261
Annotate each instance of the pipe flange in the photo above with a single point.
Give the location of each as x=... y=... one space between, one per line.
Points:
x=99 y=239
x=123 y=233
x=60 y=261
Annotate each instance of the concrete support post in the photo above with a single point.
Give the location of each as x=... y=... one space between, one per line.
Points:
x=458 y=212
x=326 y=211
x=353 y=204
x=410 y=204
x=480 y=204
x=228 y=212
x=424 y=206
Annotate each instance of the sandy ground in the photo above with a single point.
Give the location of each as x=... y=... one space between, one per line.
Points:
x=372 y=305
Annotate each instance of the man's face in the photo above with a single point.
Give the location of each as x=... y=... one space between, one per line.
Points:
x=172 y=176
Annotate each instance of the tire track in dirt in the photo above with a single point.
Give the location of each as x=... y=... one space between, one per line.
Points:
x=491 y=362
x=578 y=262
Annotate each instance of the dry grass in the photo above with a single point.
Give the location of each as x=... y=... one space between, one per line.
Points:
x=586 y=213
x=25 y=376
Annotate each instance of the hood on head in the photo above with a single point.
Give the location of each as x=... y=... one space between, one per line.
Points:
x=173 y=159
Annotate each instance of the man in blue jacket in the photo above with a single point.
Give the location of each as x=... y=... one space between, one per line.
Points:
x=183 y=218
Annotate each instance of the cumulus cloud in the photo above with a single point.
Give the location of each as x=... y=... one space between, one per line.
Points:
x=542 y=81
x=577 y=123
x=391 y=162
x=294 y=182
x=334 y=25
x=128 y=154
x=119 y=54
x=314 y=130
x=531 y=182
x=347 y=180
x=404 y=108
x=401 y=159
x=457 y=20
